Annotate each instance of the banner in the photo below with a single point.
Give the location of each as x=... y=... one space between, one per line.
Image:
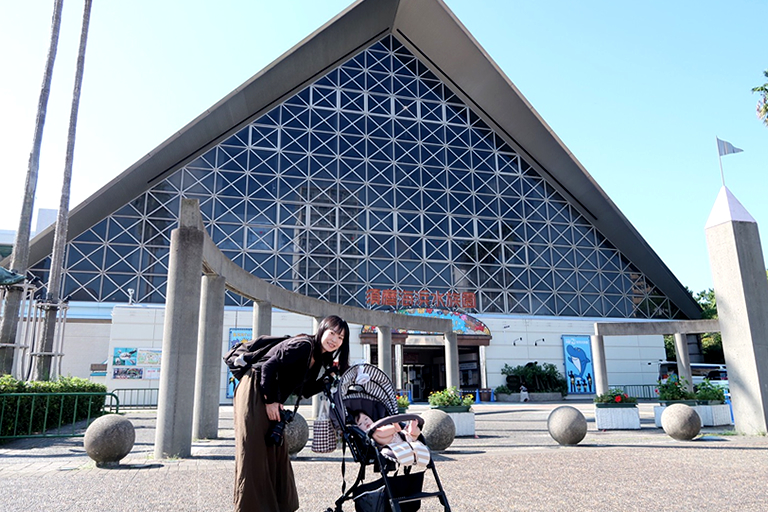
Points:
x=236 y=335
x=578 y=364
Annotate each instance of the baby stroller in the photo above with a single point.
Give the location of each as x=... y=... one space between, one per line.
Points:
x=366 y=388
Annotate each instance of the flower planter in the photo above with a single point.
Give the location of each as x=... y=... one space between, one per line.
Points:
x=617 y=417
x=685 y=402
x=452 y=408
x=608 y=405
x=401 y=410
x=711 y=415
x=464 y=422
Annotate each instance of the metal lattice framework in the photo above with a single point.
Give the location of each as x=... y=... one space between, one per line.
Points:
x=374 y=176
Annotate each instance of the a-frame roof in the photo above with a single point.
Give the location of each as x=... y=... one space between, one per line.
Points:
x=433 y=34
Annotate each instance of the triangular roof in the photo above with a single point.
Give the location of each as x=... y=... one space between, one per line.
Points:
x=432 y=33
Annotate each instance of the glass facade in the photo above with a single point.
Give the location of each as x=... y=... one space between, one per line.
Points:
x=376 y=176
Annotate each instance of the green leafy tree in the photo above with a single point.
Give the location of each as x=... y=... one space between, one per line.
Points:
x=762 y=102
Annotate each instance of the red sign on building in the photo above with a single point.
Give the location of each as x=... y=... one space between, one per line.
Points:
x=422 y=298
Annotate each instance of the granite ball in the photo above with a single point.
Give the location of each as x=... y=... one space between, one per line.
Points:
x=109 y=439
x=680 y=422
x=567 y=425
x=296 y=434
x=439 y=431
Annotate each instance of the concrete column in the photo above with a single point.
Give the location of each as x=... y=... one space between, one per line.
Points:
x=452 y=375
x=483 y=368
x=262 y=318
x=398 y=366
x=173 y=436
x=316 y=398
x=385 y=349
x=367 y=353
x=741 y=291
x=683 y=359
x=205 y=422
x=598 y=363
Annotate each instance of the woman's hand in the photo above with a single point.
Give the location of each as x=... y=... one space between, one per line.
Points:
x=273 y=411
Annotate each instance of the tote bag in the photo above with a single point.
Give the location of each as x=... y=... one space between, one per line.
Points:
x=323 y=434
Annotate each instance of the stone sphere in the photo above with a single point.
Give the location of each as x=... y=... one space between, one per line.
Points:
x=296 y=434
x=567 y=425
x=680 y=422
x=439 y=430
x=109 y=439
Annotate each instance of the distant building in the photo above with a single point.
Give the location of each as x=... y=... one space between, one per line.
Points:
x=384 y=165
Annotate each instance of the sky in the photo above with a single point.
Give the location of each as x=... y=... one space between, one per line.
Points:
x=636 y=90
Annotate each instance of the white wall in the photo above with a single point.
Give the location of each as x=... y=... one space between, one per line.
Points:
x=85 y=342
x=627 y=357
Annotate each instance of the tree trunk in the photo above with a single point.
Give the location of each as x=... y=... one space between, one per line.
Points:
x=20 y=258
x=45 y=361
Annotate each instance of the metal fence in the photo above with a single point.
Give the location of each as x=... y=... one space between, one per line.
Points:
x=137 y=398
x=24 y=415
x=647 y=391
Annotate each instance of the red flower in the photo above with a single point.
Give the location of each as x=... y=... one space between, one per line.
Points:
x=618 y=398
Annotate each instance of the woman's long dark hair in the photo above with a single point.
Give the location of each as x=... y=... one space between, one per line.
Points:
x=335 y=324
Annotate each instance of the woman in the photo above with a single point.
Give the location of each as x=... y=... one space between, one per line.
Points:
x=263 y=475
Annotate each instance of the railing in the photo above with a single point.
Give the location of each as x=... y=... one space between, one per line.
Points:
x=24 y=415
x=647 y=391
x=137 y=398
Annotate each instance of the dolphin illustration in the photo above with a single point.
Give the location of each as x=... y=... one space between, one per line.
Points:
x=579 y=358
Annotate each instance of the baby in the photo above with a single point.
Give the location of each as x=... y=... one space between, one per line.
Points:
x=400 y=443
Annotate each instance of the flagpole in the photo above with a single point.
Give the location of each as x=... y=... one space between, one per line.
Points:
x=720 y=160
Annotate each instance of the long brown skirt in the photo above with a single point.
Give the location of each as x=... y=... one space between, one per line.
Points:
x=263 y=475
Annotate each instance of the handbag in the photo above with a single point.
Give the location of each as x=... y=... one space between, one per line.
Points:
x=323 y=433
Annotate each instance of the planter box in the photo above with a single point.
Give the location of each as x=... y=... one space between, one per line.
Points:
x=617 y=418
x=711 y=415
x=532 y=397
x=464 y=422
x=451 y=408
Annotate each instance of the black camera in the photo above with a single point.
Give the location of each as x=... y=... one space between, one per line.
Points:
x=275 y=435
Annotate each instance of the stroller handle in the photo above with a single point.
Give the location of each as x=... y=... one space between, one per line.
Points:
x=397 y=418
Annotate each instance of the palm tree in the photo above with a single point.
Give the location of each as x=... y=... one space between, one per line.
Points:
x=762 y=103
x=20 y=257
x=43 y=366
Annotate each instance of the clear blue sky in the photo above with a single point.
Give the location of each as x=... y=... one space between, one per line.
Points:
x=637 y=91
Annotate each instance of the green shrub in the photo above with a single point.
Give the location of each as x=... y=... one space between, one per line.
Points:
x=503 y=389
x=708 y=391
x=676 y=388
x=544 y=378
x=27 y=414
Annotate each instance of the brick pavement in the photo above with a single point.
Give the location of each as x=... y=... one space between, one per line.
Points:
x=512 y=464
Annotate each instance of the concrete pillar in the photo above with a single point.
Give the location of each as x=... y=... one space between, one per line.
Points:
x=173 y=436
x=683 y=359
x=741 y=291
x=262 y=318
x=452 y=375
x=483 y=368
x=385 y=349
x=399 y=366
x=316 y=398
x=205 y=422
x=598 y=363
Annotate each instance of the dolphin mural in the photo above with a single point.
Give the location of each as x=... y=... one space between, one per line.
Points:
x=578 y=358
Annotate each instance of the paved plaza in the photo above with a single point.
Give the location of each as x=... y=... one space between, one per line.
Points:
x=512 y=464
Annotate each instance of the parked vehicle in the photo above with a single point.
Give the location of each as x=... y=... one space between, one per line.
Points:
x=717 y=374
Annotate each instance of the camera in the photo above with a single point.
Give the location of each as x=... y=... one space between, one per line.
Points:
x=275 y=435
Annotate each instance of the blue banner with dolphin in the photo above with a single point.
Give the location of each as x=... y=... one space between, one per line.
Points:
x=579 y=371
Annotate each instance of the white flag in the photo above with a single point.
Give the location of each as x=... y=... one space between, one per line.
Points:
x=726 y=148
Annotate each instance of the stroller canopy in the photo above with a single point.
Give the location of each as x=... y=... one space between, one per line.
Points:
x=364 y=387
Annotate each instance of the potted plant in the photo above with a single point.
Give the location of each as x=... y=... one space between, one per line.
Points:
x=709 y=394
x=675 y=391
x=615 y=398
x=450 y=400
x=402 y=404
x=616 y=410
x=711 y=406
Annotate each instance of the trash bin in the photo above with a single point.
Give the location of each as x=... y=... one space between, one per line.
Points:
x=485 y=395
